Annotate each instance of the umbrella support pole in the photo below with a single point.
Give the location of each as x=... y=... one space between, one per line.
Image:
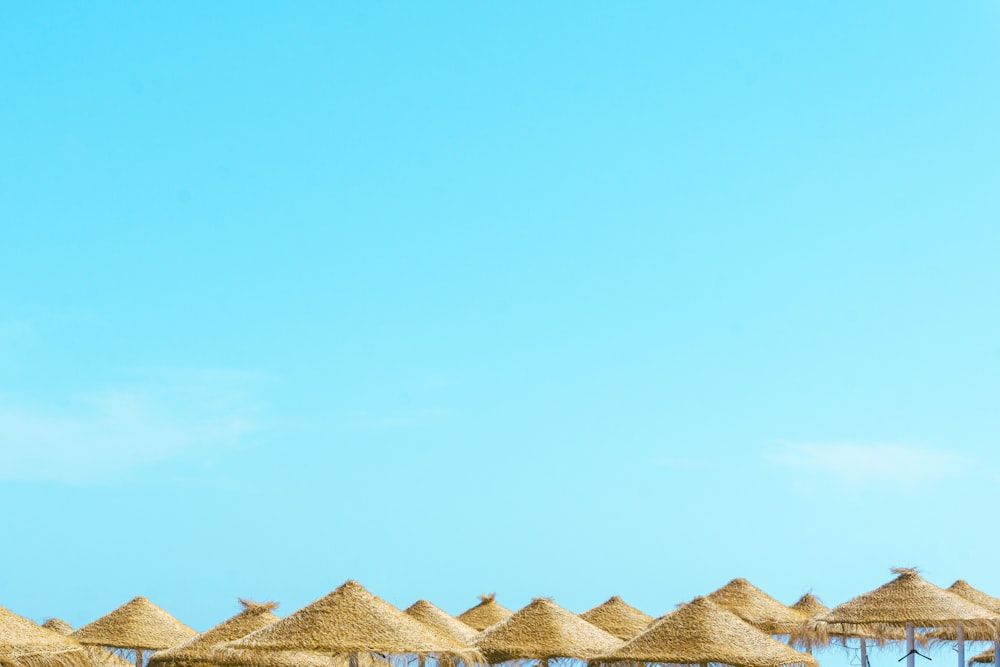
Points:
x=911 y=656
x=864 y=652
x=960 y=640
x=138 y=657
x=996 y=651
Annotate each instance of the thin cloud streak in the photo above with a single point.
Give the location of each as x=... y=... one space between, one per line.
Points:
x=94 y=436
x=860 y=463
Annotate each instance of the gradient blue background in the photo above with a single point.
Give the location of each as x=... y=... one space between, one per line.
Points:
x=568 y=299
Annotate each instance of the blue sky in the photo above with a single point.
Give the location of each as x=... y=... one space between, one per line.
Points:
x=573 y=299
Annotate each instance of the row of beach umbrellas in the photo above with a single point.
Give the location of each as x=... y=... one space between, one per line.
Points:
x=737 y=625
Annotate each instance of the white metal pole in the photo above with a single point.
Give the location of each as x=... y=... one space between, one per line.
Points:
x=911 y=657
x=960 y=639
x=864 y=652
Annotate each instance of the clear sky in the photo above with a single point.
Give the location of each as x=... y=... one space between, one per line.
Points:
x=568 y=299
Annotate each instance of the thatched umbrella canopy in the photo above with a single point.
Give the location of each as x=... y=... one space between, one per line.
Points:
x=138 y=625
x=200 y=650
x=907 y=600
x=809 y=606
x=58 y=625
x=541 y=631
x=441 y=621
x=97 y=655
x=905 y=603
x=26 y=644
x=756 y=607
x=618 y=618
x=488 y=612
x=987 y=657
x=352 y=622
x=964 y=590
x=699 y=633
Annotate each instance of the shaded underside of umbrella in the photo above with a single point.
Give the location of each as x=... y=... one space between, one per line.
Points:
x=618 y=618
x=541 y=631
x=23 y=643
x=906 y=600
x=488 y=612
x=441 y=622
x=352 y=621
x=700 y=632
x=138 y=624
x=200 y=649
x=756 y=607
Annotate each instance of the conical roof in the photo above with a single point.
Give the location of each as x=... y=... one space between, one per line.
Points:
x=963 y=589
x=488 y=612
x=543 y=630
x=352 y=620
x=255 y=615
x=618 y=618
x=97 y=655
x=441 y=621
x=701 y=632
x=137 y=624
x=25 y=644
x=58 y=625
x=906 y=599
x=809 y=606
x=756 y=607
x=970 y=632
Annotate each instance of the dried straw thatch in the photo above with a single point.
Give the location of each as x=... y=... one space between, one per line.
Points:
x=98 y=656
x=986 y=656
x=58 y=625
x=199 y=650
x=756 y=607
x=906 y=600
x=809 y=606
x=618 y=618
x=700 y=632
x=970 y=633
x=488 y=612
x=25 y=644
x=543 y=630
x=138 y=624
x=351 y=621
x=441 y=621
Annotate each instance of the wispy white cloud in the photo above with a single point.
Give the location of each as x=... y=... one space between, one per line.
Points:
x=98 y=434
x=859 y=463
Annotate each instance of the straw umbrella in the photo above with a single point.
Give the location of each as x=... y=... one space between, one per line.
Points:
x=98 y=656
x=906 y=602
x=486 y=613
x=618 y=618
x=199 y=650
x=541 y=631
x=138 y=625
x=352 y=622
x=809 y=606
x=441 y=621
x=756 y=607
x=25 y=644
x=961 y=634
x=699 y=633
x=58 y=625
